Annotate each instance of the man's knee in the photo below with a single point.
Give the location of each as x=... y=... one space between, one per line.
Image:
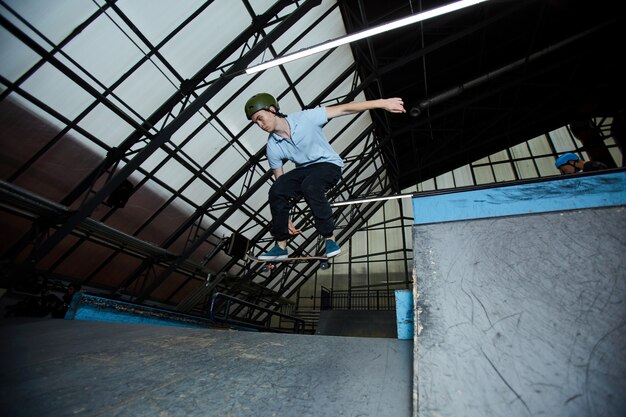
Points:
x=277 y=193
x=312 y=190
x=276 y=190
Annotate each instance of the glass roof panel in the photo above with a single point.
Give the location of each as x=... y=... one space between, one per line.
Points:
x=199 y=41
x=157 y=18
x=106 y=126
x=46 y=19
x=103 y=50
x=173 y=174
x=198 y=191
x=145 y=90
x=15 y=57
x=57 y=91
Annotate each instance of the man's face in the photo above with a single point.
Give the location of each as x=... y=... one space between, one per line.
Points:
x=568 y=168
x=266 y=120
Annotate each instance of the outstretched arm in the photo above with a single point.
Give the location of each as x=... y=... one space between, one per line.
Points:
x=392 y=105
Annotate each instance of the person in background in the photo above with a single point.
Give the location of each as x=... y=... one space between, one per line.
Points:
x=60 y=311
x=299 y=137
x=570 y=163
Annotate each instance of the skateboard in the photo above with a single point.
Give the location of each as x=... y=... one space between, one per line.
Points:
x=269 y=264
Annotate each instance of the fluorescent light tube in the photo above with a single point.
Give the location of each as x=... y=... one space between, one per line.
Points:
x=370 y=200
x=364 y=34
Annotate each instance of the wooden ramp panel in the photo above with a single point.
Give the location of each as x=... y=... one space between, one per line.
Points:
x=86 y=368
x=523 y=314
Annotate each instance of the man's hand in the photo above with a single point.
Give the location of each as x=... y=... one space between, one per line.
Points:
x=394 y=105
x=293 y=230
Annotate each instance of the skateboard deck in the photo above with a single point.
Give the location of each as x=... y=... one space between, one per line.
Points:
x=269 y=264
x=295 y=258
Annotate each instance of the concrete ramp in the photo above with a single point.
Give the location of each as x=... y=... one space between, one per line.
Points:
x=59 y=368
x=357 y=323
x=523 y=314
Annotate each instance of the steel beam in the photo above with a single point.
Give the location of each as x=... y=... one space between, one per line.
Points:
x=165 y=134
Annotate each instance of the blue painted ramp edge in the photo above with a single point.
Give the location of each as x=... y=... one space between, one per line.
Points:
x=89 y=307
x=565 y=193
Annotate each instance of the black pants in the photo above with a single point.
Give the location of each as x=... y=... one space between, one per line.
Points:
x=312 y=182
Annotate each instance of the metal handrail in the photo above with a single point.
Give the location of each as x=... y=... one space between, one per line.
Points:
x=220 y=308
x=357 y=300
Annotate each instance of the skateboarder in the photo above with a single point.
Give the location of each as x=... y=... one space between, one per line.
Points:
x=299 y=137
x=570 y=163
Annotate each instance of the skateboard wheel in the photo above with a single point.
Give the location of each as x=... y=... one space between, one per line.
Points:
x=265 y=268
x=324 y=265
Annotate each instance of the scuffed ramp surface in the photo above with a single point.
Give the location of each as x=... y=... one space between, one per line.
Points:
x=82 y=368
x=522 y=316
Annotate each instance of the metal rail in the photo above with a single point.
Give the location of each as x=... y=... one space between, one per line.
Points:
x=220 y=312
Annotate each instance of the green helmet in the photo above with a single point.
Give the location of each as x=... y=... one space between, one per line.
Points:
x=261 y=101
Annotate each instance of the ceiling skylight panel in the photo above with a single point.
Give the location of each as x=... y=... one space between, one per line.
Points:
x=15 y=57
x=206 y=143
x=349 y=135
x=561 y=139
x=323 y=74
x=329 y=28
x=151 y=163
x=258 y=199
x=145 y=90
x=54 y=20
x=203 y=38
x=198 y=191
x=174 y=174
x=106 y=126
x=229 y=102
x=105 y=50
x=57 y=91
x=337 y=125
x=227 y=164
x=156 y=19
x=261 y=6
x=289 y=34
x=188 y=134
x=253 y=139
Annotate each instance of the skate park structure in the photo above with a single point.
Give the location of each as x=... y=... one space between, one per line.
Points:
x=129 y=168
x=519 y=310
x=521 y=299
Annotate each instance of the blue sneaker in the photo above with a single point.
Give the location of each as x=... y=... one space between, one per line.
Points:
x=332 y=248
x=275 y=253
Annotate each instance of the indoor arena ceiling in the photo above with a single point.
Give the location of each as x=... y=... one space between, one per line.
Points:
x=102 y=96
x=488 y=77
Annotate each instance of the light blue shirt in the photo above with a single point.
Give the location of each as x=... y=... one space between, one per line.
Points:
x=308 y=144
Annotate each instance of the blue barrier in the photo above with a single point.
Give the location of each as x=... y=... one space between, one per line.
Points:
x=404 y=314
x=89 y=307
